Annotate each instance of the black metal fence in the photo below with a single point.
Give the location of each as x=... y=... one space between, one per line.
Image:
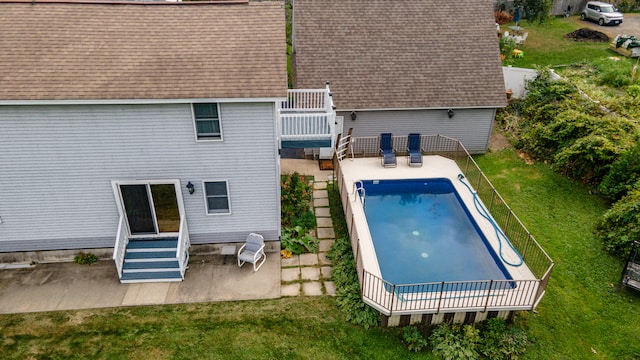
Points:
x=468 y=295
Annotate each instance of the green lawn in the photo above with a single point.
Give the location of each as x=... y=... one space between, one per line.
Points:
x=289 y=328
x=581 y=316
x=546 y=45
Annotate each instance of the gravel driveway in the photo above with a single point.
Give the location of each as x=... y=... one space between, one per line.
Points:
x=630 y=26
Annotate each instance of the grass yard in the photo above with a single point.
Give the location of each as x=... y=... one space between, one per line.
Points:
x=289 y=328
x=547 y=46
x=581 y=316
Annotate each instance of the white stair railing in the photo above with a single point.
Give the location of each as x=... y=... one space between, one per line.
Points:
x=182 y=251
x=343 y=147
x=122 y=239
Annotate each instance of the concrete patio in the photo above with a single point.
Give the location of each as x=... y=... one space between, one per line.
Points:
x=209 y=278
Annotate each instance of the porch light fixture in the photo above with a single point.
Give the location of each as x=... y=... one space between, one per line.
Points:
x=354 y=115
x=190 y=187
x=450 y=113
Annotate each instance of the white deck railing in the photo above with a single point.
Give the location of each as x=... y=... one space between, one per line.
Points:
x=299 y=100
x=182 y=252
x=307 y=126
x=307 y=115
x=122 y=239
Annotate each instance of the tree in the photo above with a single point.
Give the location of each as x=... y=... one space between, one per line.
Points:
x=535 y=9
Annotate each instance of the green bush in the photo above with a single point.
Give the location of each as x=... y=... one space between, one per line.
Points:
x=620 y=225
x=546 y=98
x=507 y=45
x=535 y=9
x=542 y=141
x=615 y=78
x=455 y=341
x=622 y=174
x=634 y=91
x=345 y=278
x=414 y=339
x=85 y=258
x=307 y=220
x=588 y=159
x=501 y=342
x=627 y=6
x=297 y=240
x=295 y=198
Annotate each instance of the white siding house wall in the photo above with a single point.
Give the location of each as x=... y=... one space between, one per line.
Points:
x=57 y=164
x=471 y=126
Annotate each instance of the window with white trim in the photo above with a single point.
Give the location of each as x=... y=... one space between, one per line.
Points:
x=217 y=197
x=207 y=121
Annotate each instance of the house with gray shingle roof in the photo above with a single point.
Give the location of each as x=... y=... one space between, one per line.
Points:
x=122 y=122
x=424 y=66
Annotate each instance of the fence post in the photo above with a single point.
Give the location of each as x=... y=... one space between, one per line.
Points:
x=526 y=247
x=440 y=298
x=493 y=196
x=486 y=304
x=393 y=296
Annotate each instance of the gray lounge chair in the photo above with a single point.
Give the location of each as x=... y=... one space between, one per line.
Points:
x=252 y=251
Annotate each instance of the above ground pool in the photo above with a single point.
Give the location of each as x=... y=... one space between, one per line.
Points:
x=422 y=232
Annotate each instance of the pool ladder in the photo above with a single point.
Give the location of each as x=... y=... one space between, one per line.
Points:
x=358 y=190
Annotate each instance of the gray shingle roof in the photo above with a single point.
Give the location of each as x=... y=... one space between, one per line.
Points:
x=390 y=54
x=72 y=51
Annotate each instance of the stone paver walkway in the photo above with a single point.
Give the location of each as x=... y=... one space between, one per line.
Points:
x=310 y=274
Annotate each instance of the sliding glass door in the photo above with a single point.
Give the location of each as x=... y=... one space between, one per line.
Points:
x=151 y=209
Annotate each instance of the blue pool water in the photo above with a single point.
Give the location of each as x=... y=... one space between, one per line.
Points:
x=423 y=232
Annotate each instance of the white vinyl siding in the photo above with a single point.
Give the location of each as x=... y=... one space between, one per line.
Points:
x=217 y=197
x=58 y=163
x=207 y=121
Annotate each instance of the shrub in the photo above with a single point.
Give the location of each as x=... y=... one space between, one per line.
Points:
x=501 y=342
x=507 y=44
x=588 y=159
x=414 y=339
x=546 y=97
x=297 y=240
x=455 y=341
x=627 y=6
x=634 y=91
x=85 y=258
x=615 y=78
x=622 y=174
x=620 y=225
x=307 y=220
x=542 y=141
x=295 y=198
x=347 y=285
x=535 y=9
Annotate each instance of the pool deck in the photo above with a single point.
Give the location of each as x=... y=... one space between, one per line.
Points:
x=434 y=166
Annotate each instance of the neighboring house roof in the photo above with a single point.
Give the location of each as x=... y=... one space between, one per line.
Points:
x=389 y=54
x=137 y=50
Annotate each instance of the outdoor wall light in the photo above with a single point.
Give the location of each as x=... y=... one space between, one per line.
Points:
x=354 y=115
x=190 y=187
x=450 y=113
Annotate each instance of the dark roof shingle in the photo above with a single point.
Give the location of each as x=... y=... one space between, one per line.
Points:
x=389 y=54
x=73 y=51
